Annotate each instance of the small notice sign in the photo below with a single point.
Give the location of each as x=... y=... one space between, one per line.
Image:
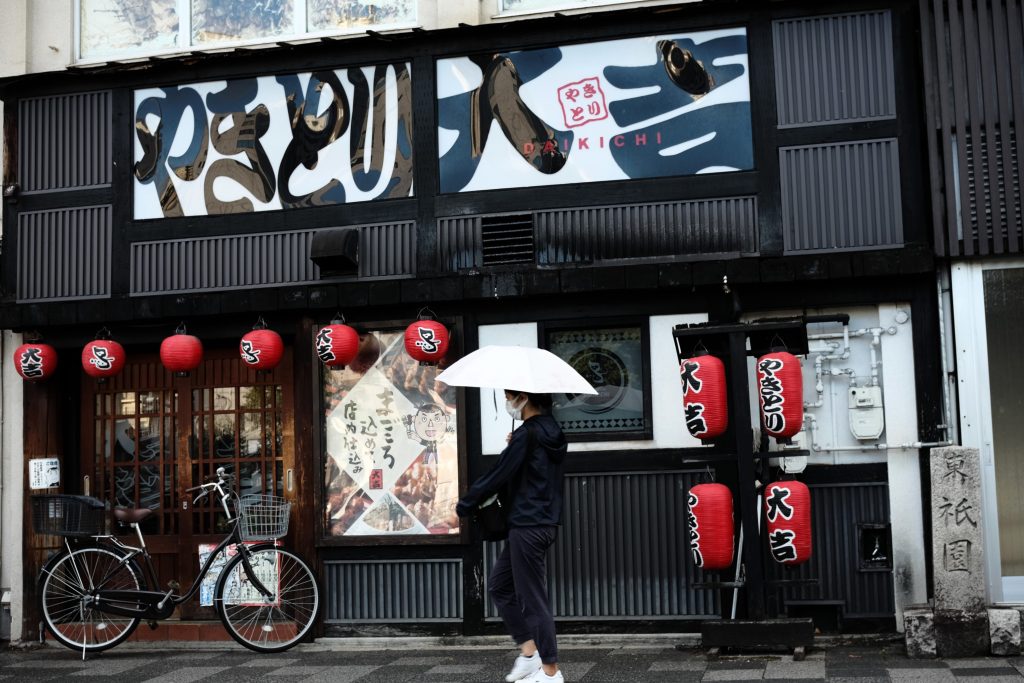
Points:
x=43 y=473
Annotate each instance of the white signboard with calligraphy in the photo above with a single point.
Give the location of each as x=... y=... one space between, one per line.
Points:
x=666 y=105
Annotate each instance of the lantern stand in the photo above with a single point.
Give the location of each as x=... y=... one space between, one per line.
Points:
x=729 y=341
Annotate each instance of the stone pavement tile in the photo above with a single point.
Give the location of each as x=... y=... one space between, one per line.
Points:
x=296 y=671
x=193 y=656
x=575 y=671
x=342 y=674
x=922 y=674
x=454 y=669
x=643 y=651
x=112 y=667
x=858 y=679
x=740 y=663
x=186 y=674
x=795 y=670
x=269 y=662
x=51 y=664
x=986 y=674
x=904 y=663
x=843 y=671
x=677 y=665
x=733 y=675
x=979 y=663
x=421 y=661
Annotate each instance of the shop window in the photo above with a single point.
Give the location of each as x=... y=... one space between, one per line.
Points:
x=517 y=6
x=136 y=27
x=615 y=359
x=391 y=451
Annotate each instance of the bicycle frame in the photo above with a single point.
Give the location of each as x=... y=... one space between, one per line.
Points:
x=157 y=605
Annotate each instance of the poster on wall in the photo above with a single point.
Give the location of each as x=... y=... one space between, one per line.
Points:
x=392 y=465
x=668 y=105
x=274 y=142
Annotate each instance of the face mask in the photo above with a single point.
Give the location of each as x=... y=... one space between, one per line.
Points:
x=515 y=411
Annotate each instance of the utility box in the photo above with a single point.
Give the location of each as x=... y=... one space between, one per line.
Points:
x=867 y=415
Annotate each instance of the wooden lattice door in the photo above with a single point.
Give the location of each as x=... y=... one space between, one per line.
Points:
x=151 y=435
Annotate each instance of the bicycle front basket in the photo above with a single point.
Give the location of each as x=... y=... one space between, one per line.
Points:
x=263 y=517
x=64 y=515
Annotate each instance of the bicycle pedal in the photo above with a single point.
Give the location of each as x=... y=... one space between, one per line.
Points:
x=152 y=624
x=174 y=585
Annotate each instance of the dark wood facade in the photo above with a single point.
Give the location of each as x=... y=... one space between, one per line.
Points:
x=791 y=265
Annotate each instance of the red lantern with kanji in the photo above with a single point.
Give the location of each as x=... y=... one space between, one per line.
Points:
x=780 y=384
x=337 y=344
x=35 y=361
x=787 y=508
x=426 y=341
x=181 y=352
x=102 y=358
x=710 y=525
x=261 y=348
x=705 y=404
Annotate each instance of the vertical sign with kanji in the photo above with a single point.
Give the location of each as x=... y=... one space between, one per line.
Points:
x=957 y=551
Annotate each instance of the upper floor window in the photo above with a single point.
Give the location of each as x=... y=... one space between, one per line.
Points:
x=516 y=6
x=120 y=28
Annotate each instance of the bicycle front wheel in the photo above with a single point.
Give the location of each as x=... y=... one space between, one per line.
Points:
x=274 y=622
x=67 y=586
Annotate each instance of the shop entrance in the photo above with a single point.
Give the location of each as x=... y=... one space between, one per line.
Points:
x=147 y=436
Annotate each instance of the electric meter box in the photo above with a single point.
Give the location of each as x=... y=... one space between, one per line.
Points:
x=867 y=414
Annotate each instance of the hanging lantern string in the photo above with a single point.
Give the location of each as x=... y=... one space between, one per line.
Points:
x=261 y=324
x=700 y=348
x=426 y=314
x=777 y=338
x=103 y=333
x=710 y=474
x=180 y=329
x=338 y=318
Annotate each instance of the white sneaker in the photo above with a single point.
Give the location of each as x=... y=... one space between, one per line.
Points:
x=539 y=676
x=523 y=667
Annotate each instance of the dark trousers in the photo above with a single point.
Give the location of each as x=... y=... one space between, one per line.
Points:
x=518 y=586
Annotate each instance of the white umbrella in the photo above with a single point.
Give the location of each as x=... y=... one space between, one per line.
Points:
x=535 y=371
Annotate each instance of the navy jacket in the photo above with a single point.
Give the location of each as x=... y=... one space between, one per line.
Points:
x=533 y=481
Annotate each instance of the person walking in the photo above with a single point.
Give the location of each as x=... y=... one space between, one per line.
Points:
x=528 y=477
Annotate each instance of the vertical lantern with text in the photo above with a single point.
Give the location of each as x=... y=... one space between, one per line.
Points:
x=102 y=357
x=261 y=348
x=181 y=352
x=787 y=507
x=780 y=386
x=710 y=525
x=426 y=340
x=35 y=361
x=337 y=344
x=705 y=404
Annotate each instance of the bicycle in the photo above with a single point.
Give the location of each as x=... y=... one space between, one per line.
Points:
x=93 y=596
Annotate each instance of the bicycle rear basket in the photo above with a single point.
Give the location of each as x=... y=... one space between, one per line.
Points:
x=64 y=515
x=263 y=517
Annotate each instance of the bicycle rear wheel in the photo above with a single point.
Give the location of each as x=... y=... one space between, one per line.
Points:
x=271 y=623
x=66 y=585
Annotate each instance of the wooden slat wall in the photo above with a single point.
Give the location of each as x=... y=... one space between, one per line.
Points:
x=973 y=56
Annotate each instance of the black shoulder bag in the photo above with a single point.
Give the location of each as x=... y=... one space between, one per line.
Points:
x=492 y=514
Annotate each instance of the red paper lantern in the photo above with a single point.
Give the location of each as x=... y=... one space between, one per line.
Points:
x=780 y=384
x=704 y=399
x=35 y=361
x=261 y=348
x=426 y=341
x=710 y=525
x=337 y=344
x=787 y=507
x=181 y=353
x=102 y=358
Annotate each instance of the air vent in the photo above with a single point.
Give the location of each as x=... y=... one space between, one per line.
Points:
x=507 y=239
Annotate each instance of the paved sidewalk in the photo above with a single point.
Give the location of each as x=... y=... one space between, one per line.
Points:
x=359 y=662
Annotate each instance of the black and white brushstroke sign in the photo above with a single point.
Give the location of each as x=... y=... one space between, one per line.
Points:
x=668 y=105
x=274 y=142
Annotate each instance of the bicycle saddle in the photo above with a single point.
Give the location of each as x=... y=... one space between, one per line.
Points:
x=126 y=516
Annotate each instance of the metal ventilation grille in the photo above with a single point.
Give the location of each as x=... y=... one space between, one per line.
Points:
x=64 y=142
x=64 y=253
x=832 y=69
x=458 y=241
x=393 y=591
x=507 y=239
x=622 y=552
x=994 y=199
